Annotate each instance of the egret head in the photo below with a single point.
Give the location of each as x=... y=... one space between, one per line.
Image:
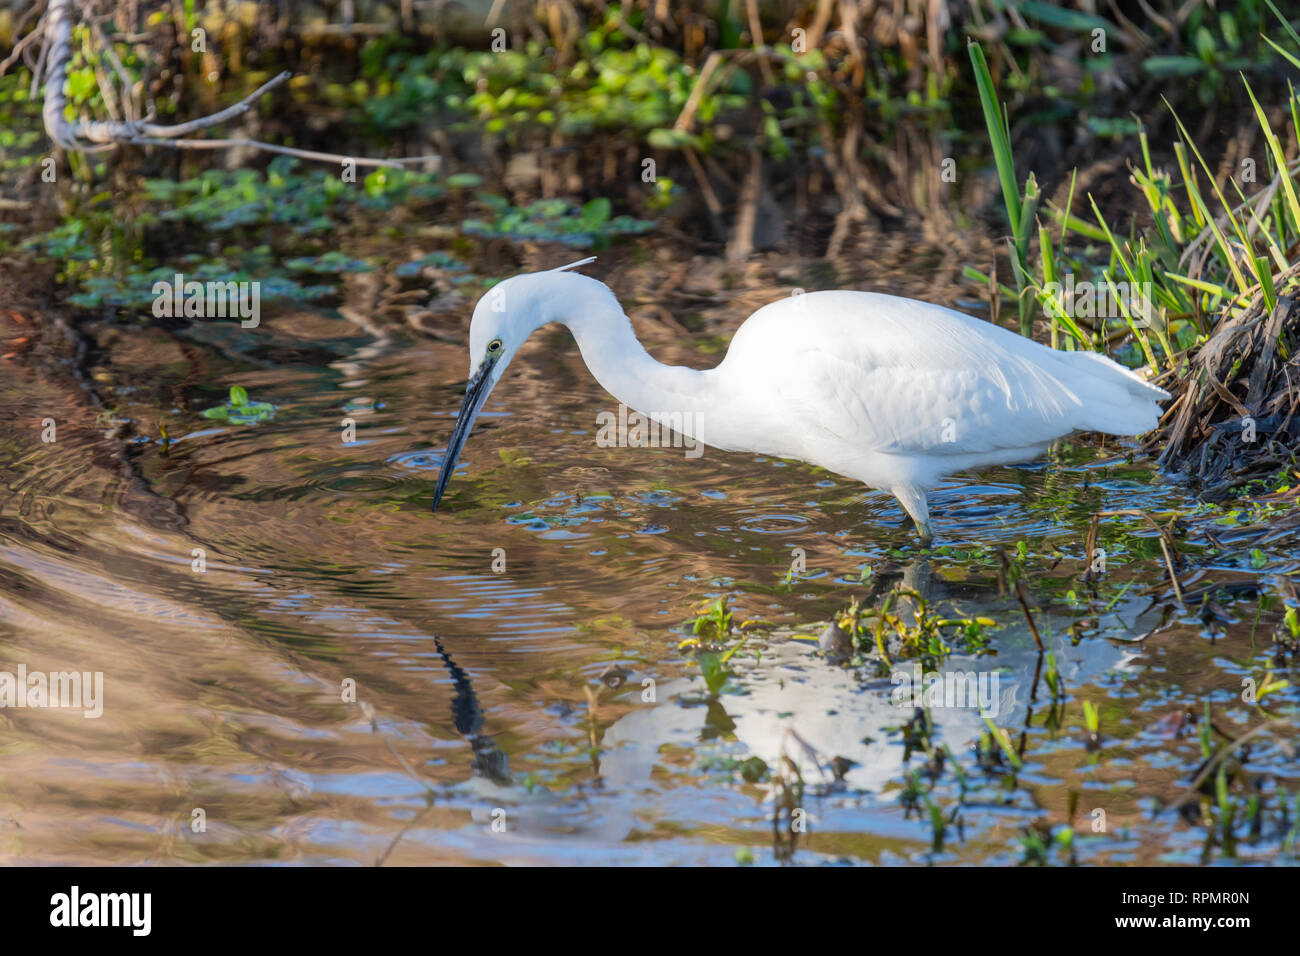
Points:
x=503 y=319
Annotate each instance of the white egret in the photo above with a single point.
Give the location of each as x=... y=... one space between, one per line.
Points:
x=893 y=392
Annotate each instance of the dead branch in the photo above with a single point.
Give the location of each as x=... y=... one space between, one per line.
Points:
x=87 y=136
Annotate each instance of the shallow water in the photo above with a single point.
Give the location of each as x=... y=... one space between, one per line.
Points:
x=544 y=712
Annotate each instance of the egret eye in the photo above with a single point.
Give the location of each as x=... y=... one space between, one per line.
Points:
x=494 y=347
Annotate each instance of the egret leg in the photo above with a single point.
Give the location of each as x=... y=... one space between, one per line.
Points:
x=913 y=501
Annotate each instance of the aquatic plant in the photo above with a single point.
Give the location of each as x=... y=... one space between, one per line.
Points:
x=1218 y=281
x=238 y=410
x=556 y=220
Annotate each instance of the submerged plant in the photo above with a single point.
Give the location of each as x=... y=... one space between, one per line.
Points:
x=927 y=636
x=238 y=410
x=715 y=623
x=711 y=628
x=1092 y=722
x=1038 y=841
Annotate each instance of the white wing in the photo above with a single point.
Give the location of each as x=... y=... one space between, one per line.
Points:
x=902 y=377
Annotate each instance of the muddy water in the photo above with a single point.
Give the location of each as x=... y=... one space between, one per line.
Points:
x=521 y=692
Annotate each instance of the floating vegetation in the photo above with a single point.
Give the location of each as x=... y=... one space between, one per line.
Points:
x=328 y=263
x=435 y=261
x=298 y=209
x=711 y=628
x=554 y=220
x=876 y=631
x=238 y=410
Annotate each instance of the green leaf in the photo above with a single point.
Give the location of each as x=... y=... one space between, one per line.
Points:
x=1091 y=718
x=1173 y=65
x=1294 y=60
x=1279 y=158
x=713 y=670
x=1065 y=19
x=463 y=181
x=596 y=212
x=238 y=396
x=999 y=137
x=670 y=139
x=1204 y=42
x=81 y=83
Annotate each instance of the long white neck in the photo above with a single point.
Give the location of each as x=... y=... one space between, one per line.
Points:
x=672 y=394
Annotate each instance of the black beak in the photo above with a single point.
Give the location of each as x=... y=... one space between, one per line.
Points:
x=476 y=393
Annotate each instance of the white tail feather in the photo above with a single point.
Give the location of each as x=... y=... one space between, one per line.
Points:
x=1115 y=400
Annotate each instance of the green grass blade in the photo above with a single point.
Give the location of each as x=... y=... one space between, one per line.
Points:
x=1294 y=61
x=1286 y=24
x=1275 y=147
x=999 y=137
